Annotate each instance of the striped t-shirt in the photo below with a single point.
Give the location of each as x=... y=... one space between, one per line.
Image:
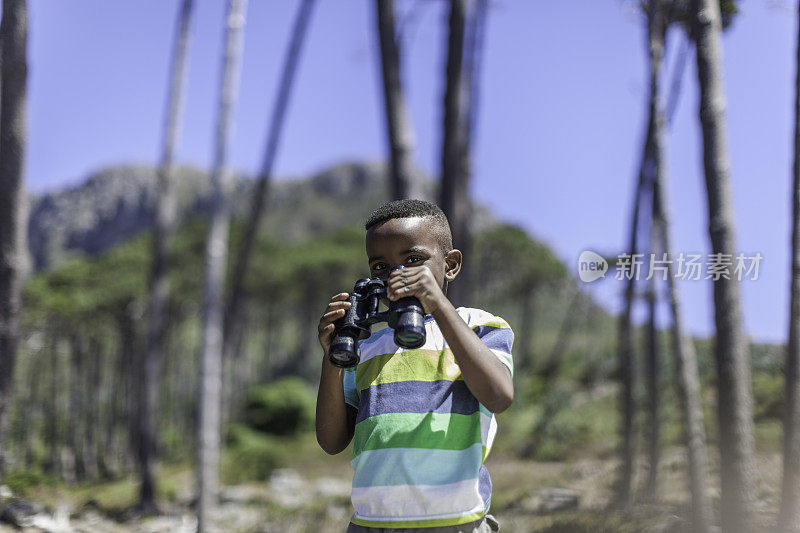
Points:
x=421 y=437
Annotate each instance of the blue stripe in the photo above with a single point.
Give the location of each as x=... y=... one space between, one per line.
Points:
x=484 y=485
x=440 y=396
x=414 y=466
x=496 y=338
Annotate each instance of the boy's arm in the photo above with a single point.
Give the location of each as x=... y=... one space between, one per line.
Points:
x=335 y=419
x=487 y=378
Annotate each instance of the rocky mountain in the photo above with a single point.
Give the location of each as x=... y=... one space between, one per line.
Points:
x=117 y=203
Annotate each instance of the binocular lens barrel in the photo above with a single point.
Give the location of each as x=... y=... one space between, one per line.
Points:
x=410 y=330
x=344 y=351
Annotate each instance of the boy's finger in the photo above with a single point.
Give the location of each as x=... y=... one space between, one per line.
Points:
x=338 y=305
x=339 y=297
x=404 y=282
x=330 y=316
x=324 y=332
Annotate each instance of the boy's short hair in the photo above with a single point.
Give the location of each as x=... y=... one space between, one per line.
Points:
x=408 y=208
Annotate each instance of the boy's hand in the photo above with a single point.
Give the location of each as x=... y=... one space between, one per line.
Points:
x=333 y=312
x=417 y=281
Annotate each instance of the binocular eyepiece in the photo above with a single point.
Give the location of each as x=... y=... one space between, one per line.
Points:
x=405 y=316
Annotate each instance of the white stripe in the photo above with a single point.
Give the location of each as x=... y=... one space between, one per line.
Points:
x=488 y=430
x=505 y=358
x=417 y=502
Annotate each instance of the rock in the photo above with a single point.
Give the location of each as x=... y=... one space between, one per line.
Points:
x=332 y=487
x=556 y=499
x=288 y=488
x=672 y=524
x=19 y=513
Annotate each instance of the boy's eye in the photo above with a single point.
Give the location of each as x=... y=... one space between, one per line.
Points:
x=414 y=259
x=377 y=267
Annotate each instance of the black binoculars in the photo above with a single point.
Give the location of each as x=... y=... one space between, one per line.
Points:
x=405 y=316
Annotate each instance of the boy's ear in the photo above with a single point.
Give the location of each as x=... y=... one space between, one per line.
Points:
x=452 y=262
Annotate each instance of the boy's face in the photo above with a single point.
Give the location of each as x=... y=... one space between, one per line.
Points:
x=410 y=242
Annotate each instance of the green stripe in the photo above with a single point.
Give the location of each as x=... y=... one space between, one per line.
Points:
x=501 y=325
x=439 y=431
x=434 y=522
x=409 y=365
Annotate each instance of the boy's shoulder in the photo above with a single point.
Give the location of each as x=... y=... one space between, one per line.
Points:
x=475 y=317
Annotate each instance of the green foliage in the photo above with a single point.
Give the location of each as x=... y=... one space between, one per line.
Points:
x=768 y=392
x=284 y=407
x=509 y=257
x=558 y=429
x=251 y=455
x=22 y=481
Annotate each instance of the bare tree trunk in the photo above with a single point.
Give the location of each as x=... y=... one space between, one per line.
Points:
x=134 y=371
x=14 y=36
x=235 y=302
x=159 y=283
x=92 y=391
x=651 y=370
x=400 y=135
x=789 y=520
x=53 y=464
x=656 y=31
x=688 y=375
x=216 y=256
x=623 y=496
x=735 y=409
x=461 y=292
x=75 y=424
x=454 y=198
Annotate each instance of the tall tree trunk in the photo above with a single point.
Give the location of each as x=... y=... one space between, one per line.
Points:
x=656 y=31
x=234 y=305
x=468 y=120
x=790 y=499
x=75 y=424
x=454 y=199
x=735 y=409
x=53 y=464
x=625 y=350
x=688 y=375
x=216 y=256
x=159 y=283
x=651 y=370
x=403 y=181
x=92 y=392
x=14 y=73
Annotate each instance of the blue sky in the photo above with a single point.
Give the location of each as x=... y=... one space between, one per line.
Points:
x=561 y=114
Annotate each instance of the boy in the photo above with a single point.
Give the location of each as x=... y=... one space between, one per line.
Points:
x=422 y=420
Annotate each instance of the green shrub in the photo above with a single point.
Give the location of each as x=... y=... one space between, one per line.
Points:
x=768 y=390
x=560 y=427
x=21 y=481
x=284 y=407
x=250 y=455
